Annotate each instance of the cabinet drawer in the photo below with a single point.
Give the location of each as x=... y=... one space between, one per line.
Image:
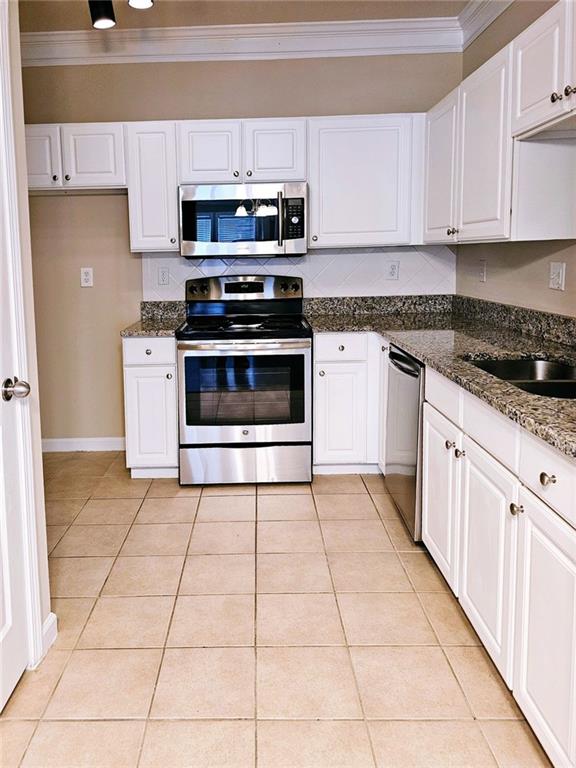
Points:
x=444 y=395
x=151 y=351
x=340 y=346
x=549 y=474
x=492 y=430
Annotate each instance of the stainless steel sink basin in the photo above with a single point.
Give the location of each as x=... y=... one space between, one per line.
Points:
x=548 y=378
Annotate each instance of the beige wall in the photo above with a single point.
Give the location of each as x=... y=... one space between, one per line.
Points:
x=78 y=329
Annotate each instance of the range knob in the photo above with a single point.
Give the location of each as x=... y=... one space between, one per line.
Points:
x=283 y=287
x=295 y=286
x=204 y=288
x=193 y=289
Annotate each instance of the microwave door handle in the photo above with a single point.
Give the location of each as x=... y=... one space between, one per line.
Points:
x=280 y=219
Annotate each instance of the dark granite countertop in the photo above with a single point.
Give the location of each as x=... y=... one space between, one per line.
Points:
x=158 y=327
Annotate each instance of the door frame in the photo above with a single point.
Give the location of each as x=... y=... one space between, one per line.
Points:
x=41 y=633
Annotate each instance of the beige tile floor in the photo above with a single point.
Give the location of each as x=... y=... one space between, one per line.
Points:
x=292 y=626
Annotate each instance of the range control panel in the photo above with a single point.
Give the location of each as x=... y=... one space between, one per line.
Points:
x=294 y=218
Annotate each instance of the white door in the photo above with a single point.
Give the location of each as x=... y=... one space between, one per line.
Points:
x=153 y=186
x=440 y=169
x=93 y=155
x=340 y=397
x=440 y=492
x=151 y=416
x=360 y=180
x=43 y=156
x=274 y=150
x=485 y=164
x=541 y=69
x=209 y=151
x=488 y=531
x=545 y=648
x=20 y=610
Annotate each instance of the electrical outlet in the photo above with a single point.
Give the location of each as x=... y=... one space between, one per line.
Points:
x=482 y=270
x=557 y=275
x=163 y=276
x=392 y=270
x=86 y=277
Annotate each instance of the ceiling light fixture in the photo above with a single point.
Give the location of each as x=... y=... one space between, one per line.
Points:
x=141 y=5
x=102 y=14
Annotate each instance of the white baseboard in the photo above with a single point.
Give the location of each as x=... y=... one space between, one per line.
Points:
x=154 y=472
x=64 y=444
x=49 y=634
x=346 y=469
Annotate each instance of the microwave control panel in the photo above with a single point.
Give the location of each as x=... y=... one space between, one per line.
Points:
x=294 y=218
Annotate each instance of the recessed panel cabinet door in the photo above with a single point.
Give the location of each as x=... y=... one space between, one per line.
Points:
x=360 y=180
x=541 y=69
x=545 y=646
x=440 y=492
x=153 y=186
x=488 y=531
x=440 y=169
x=274 y=150
x=485 y=166
x=340 y=396
x=93 y=155
x=43 y=156
x=209 y=151
x=151 y=416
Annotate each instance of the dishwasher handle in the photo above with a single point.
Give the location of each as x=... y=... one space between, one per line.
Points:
x=403 y=363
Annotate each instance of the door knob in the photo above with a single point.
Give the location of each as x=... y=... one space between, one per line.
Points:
x=16 y=388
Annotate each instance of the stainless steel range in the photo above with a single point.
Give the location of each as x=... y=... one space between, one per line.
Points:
x=245 y=378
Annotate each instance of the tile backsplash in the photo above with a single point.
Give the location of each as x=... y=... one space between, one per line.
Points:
x=422 y=270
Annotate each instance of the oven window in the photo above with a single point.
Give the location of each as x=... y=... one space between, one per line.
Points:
x=229 y=221
x=245 y=390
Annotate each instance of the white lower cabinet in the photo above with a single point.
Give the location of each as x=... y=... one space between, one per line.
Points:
x=545 y=658
x=488 y=551
x=440 y=492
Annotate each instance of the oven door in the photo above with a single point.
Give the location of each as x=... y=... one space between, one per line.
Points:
x=245 y=391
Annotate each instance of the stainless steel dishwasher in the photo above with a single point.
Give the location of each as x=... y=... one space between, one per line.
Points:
x=403 y=444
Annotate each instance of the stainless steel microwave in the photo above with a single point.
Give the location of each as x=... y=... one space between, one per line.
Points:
x=243 y=220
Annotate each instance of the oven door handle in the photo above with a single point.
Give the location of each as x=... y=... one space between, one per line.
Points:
x=231 y=346
x=280 y=219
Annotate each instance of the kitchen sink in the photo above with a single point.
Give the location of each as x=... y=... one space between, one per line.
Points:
x=548 y=378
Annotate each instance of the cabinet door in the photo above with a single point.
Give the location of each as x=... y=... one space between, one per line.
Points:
x=440 y=168
x=340 y=396
x=485 y=166
x=153 y=186
x=360 y=180
x=541 y=70
x=209 y=151
x=440 y=492
x=274 y=150
x=151 y=416
x=93 y=155
x=545 y=648
x=43 y=156
x=488 y=530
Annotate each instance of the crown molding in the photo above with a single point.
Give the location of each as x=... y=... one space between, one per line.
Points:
x=244 y=42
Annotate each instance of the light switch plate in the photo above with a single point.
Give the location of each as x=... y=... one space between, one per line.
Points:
x=557 y=275
x=86 y=277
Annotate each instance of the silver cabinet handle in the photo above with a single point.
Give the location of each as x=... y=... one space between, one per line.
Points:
x=16 y=388
x=315 y=237
x=569 y=90
x=55 y=177
x=554 y=97
x=236 y=174
x=341 y=347
x=67 y=177
x=148 y=351
x=168 y=376
x=321 y=373
x=449 y=444
x=172 y=239
x=546 y=479
x=248 y=173
x=458 y=453
x=516 y=509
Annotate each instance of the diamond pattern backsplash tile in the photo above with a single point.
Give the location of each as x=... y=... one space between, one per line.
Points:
x=423 y=270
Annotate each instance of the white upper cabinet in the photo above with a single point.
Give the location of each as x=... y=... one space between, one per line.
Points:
x=43 y=156
x=209 y=151
x=93 y=155
x=440 y=202
x=152 y=186
x=543 y=67
x=360 y=180
x=274 y=150
x=485 y=165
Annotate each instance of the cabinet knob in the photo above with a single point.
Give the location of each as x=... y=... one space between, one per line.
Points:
x=168 y=376
x=315 y=237
x=546 y=479
x=554 y=97
x=248 y=173
x=55 y=177
x=569 y=90
x=67 y=177
x=236 y=174
x=172 y=239
x=321 y=373
x=148 y=351
x=245 y=432
x=449 y=444
x=458 y=453
x=384 y=349
x=341 y=347
x=449 y=231
x=516 y=509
